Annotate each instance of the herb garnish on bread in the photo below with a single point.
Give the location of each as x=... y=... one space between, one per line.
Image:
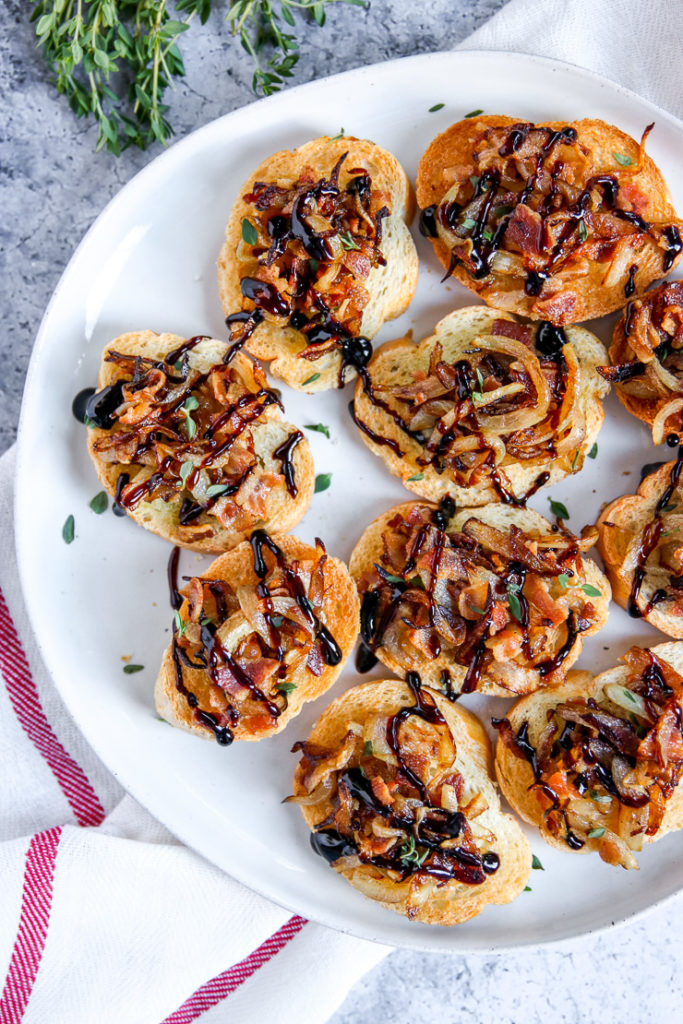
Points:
x=317 y=256
x=194 y=449
x=595 y=761
x=557 y=221
x=395 y=784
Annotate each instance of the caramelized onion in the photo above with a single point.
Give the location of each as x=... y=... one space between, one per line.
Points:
x=659 y=424
x=521 y=418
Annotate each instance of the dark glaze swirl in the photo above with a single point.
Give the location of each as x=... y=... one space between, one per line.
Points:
x=491 y=602
x=605 y=765
x=430 y=841
x=186 y=436
x=529 y=194
x=316 y=243
x=512 y=399
x=647 y=359
x=246 y=687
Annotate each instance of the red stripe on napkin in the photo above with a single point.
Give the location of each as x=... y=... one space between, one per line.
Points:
x=35 y=914
x=223 y=984
x=23 y=695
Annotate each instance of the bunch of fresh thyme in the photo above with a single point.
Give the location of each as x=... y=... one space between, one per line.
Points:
x=114 y=59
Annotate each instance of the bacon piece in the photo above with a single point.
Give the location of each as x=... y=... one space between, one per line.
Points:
x=632 y=194
x=536 y=592
x=510 y=329
x=381 y=791
x=316 y=661
x=524 y=231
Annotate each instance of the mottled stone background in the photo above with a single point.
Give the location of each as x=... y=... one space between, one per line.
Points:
x=54 y=185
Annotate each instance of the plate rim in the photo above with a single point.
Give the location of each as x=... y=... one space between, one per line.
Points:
x=20 y=481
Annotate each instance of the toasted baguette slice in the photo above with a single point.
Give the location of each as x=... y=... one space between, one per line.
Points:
x=568 y=420
x=223 y=708
x=473 y=642
x=640 y=536
x=533 y=256
x=263 y=499
x=516 y=776
x=389 y=286
x=645 y=355
x=349 y=734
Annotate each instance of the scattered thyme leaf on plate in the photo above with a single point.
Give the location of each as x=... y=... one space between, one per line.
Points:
x=322 y=482
x=558 y=509
x=131 y=669
x=321 y=428
x=437 y=106
x=68 y=530
x=99 y=503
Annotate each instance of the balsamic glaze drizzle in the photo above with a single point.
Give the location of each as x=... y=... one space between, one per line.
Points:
x=648 y=542
x=260 y=540
x=429 y=830
x=322 y=327
x=485 y=239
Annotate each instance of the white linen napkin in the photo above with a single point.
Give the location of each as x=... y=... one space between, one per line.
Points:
x=105 y=916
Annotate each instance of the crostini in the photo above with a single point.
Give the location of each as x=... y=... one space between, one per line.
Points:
x=641 y=544
x=317 y=256
x=488 y=408
x=647 y=360
x=487 y=599
x=594 y=762
x=557 y=221
x=395 y=784
x=266 y=628
x=192 y=448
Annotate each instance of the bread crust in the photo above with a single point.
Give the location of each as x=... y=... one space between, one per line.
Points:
x=621 y=526
x=395 y=364
x=391 y=287
x=454 y=902
x=340 y=613
x=515 y=776
x=368 y=552
x=573 y=293
x=270 y=430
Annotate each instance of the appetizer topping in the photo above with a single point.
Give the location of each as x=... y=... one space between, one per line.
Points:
x=498 y=602
x=604 y=768
x=529 y=208
x=655 y=554
x=397 y=806
x=239 y=651
x=648 y=361
x=306 y=252
x=187 y=436
x=513 y=396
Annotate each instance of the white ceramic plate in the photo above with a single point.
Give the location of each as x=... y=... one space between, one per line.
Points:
x=149 y=262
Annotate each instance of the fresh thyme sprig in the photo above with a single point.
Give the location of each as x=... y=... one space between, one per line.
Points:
x=114 y=59
x=274 y=50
